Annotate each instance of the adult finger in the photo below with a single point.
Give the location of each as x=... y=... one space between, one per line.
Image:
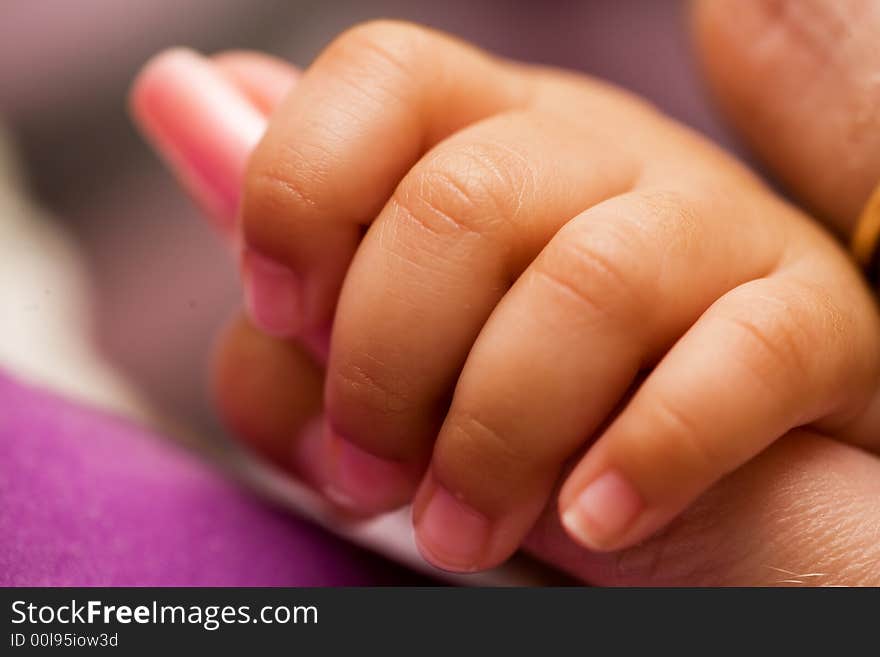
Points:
x=802 y=513
x=798 y=78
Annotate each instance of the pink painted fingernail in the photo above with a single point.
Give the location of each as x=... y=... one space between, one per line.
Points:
x=273 y=295
x=201 y=125
x=450 y=534
x=308 y=452
x=363 y=482
x=603 y=510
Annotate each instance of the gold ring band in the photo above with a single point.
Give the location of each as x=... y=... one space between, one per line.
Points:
x=867 y=234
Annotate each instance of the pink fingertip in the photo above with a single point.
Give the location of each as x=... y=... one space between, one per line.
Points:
x=273 y=295
x=450 y=534
x=603 y=511
x=308 y=453
x=201 y=125
x=362 y=482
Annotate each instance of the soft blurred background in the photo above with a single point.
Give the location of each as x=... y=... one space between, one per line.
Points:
x=161 y=282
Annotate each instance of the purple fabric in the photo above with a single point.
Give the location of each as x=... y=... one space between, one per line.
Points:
x=87 y=499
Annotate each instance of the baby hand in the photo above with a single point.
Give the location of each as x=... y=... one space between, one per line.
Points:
x=531 y=275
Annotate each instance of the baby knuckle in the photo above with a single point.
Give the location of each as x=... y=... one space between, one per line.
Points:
x=667 y=217
x=825 y=316
x=278 y=189
x=459 y=191
x=595 y=272
x=775 y=340
x=688 y=441
x=473 y=438
x=362 y=384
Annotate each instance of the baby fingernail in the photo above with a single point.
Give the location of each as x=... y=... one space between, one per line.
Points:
x=203 y=127
x=450 y=534
x=308 y=451
x=362 y=482
x=603 y=510
x=272 y=295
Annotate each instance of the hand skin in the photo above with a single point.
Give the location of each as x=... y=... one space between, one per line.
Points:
x=238 y=397
x=806 y=505
x=798 y=79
